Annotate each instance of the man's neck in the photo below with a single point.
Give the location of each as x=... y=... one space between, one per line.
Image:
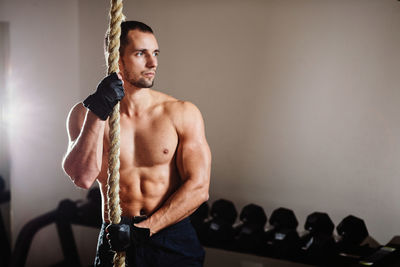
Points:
x=135 y=101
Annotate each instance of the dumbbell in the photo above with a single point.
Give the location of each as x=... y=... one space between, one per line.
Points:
x=249 y=233
x=351 y=244
x=282 y=240
x=220 y=232
x=318 y=244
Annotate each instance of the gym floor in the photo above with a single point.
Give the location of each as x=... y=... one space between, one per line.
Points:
x=223 y=258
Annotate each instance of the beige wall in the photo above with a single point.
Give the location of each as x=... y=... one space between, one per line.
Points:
x=300 y=100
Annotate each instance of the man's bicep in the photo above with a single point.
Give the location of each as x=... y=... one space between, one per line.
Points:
x=194 y=157
x=194 y=160
x=75 y=121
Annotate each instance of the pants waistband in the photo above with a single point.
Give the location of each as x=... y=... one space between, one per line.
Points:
x=177 y=225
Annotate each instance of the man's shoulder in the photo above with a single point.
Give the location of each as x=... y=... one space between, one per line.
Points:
x=184 y=114
x=175 y=106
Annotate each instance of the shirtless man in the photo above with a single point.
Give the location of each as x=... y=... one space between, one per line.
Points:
x=165 y=159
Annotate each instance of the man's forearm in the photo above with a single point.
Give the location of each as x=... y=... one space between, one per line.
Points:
x=84 y=157
x=178 y=206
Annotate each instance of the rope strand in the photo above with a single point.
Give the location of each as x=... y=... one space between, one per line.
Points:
x=114 y=209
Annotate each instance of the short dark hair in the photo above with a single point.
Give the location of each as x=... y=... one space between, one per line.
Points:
x=127 y=26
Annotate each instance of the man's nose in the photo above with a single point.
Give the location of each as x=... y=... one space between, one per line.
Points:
x=151 y=61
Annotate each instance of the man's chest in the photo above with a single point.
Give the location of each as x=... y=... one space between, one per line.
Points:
x=146 y=142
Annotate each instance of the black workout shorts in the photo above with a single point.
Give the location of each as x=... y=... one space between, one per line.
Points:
x=175 y=246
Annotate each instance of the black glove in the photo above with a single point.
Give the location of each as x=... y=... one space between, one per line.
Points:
x=120 y=236
x=109 y=92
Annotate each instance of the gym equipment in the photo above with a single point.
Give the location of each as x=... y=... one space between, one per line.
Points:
x=318 y=244
x=249 y=234
x=385 y=256
x=220 y=232
x=282 y=241
x=114 y=209
x=68 y=212
x=5 y=249
x=199 y=221
x=353 y=232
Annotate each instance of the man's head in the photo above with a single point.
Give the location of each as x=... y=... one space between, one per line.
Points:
x=138 y=54
x=127 y=26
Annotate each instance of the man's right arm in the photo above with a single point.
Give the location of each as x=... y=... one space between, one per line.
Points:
x=83 y=159
x=86 y=130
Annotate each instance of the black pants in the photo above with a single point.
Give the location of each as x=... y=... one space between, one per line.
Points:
x=175 y=246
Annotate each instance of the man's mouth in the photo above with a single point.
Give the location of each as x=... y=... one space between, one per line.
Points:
x=149 y=74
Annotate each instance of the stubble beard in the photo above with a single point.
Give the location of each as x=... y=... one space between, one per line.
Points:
x=142 y=83
x=139 y=83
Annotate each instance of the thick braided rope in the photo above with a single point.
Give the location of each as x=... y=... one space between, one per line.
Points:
x=114 y=210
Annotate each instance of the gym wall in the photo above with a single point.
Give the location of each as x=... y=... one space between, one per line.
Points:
x=300 y=101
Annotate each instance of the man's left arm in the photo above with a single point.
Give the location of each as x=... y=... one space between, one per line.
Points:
x=194 y=165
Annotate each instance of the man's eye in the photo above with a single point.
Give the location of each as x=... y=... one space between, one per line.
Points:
x=139 y=54
x=156 y=54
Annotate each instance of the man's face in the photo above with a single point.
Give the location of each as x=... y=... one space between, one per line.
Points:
x=138 y=63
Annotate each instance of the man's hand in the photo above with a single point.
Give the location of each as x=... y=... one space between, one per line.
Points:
x=121 y=236
x=109 y=91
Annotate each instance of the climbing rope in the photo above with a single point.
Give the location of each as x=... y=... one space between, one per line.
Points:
x=114 y=210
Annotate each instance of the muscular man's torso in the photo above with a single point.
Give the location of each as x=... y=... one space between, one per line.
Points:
x=148 y=170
